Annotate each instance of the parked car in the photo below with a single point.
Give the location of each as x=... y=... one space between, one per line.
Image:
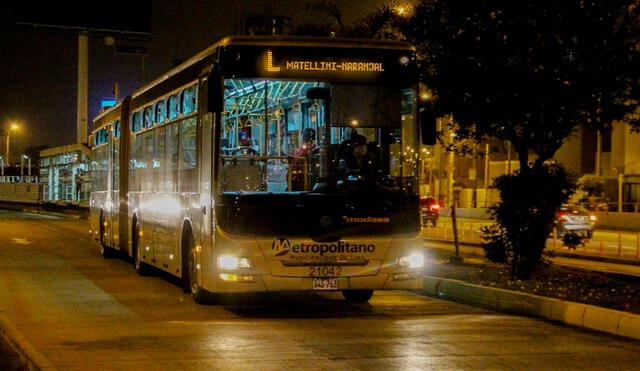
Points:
x=429 y=210
x=573 y=218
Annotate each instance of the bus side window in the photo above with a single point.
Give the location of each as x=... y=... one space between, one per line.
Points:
x=171 y=168
x=148 y=117
x=159 y=160
x=160 y=112
x=147 y=164
x=134 y=170
x=188 y=173
x=188 y=100
x=174 y=105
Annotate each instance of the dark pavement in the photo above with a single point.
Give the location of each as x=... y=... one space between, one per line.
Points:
x=77 y=311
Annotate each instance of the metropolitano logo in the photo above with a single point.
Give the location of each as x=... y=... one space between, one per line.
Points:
x=280 y=246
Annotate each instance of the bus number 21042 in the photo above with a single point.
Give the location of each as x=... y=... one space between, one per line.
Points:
x=324 y=271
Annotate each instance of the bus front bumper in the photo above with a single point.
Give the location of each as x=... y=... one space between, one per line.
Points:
x=267 y=283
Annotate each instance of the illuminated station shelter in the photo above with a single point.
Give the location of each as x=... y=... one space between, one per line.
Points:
x=65 y=174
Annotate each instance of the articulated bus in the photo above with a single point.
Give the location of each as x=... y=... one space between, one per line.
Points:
x=226 y=171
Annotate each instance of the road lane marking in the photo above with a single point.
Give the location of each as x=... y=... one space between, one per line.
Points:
x=21 y=241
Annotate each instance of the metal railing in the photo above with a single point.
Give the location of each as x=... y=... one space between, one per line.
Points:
x=612 y=207
x=19 y=179
x=618 y=244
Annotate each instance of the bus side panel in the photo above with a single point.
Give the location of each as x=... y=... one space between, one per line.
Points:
x=96 y=202
x=124 y=225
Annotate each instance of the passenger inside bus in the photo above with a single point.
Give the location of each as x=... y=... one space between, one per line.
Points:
x=308 y=143
x=309 y=150
x=358 y=160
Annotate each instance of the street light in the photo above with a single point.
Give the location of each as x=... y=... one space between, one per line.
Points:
x=404 y=10
x=2 y=165
x=12 y=127
x=22 y=164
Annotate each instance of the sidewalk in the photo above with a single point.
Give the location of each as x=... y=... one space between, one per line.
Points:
x=592 y=317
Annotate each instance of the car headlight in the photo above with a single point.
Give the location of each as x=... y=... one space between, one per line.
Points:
x=232 y=262
x=593 y=218
x=414 y=260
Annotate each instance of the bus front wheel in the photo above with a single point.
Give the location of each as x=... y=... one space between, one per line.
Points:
x=357 y=296
x=190 y=272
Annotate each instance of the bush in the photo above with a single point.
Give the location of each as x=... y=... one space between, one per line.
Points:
x=529 y=199
x=591 y=184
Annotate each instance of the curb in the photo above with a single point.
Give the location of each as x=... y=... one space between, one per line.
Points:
x=605 y=259
x=52 y=213
x=33 y=359
x=576 y=314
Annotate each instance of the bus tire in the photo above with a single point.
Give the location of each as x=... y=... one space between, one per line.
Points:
x=106 y=251
x=141 y=267
x=357 y=296
x=190 y=271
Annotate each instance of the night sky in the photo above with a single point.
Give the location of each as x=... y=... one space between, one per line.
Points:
x=39 y=65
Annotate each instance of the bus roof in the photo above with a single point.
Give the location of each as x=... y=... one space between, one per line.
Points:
x=314 y=41
x=276 y=41
x=295 y=41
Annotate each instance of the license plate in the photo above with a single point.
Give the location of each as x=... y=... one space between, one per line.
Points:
x=325 y=283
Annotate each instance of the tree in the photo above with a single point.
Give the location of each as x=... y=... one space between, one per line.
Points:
x=593 y=185
x=378 y=24
x=529 y=72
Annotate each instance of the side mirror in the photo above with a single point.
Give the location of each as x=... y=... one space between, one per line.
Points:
x=427 y=120
x=319 y=93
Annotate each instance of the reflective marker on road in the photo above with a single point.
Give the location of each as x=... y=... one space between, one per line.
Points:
x=21 y=241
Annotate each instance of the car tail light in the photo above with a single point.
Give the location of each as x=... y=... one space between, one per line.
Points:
x=435 y=207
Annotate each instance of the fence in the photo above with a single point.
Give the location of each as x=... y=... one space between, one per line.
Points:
x=20 y=192
x=618 y=244
x=19 y=179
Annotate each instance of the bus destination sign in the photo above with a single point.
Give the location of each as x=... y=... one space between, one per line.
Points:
x=303 y=65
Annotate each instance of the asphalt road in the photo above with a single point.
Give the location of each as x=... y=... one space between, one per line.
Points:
x=77 y=311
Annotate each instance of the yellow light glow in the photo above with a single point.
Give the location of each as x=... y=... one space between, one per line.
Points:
x=14 y=127
x=404 y=9
x=311 y=65
x=414 y=260
x=232 y=262
x=270 y=66
x=235 y=277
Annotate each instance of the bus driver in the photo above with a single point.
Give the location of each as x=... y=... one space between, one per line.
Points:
x=356 y=158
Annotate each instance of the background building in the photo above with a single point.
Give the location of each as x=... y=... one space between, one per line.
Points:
x=65 y=174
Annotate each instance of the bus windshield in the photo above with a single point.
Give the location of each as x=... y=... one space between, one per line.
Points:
x=304 y=136
x=295 y=152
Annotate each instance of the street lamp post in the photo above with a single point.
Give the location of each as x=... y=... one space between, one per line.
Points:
x=2 y=165
x=12 y=127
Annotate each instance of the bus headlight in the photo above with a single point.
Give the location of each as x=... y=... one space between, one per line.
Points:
x=232 y=262
x=414 y=260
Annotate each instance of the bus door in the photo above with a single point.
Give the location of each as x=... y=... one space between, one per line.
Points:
x=204 y=224
x=206 y=182
x=109 y=210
